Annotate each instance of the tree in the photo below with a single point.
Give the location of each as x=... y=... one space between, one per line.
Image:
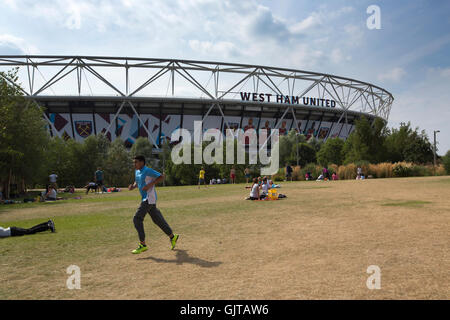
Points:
x=306 y=154
x=118 y=165
x=288 y=145
x=23 y=136
x=366 y=142
x=446 y=162
x=331 y=152
x=406 y=144
x=144 y=148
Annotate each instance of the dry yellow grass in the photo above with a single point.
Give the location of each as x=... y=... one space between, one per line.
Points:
x=316 y=244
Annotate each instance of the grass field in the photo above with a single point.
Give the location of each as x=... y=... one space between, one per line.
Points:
x=316 y=244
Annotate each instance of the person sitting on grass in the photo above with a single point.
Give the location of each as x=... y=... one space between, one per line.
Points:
x=91 y=186
x=69 y=189
x=15 y=231
x=335 y=176
x=265 y=188
x=51 y=194
x=254 y=192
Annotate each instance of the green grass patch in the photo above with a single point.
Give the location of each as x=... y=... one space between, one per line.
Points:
x=409 y=203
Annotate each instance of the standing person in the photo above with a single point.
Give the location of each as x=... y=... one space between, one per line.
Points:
x=15 y=231
x=99 y=179
x=201 y=177
x=146 y=179
x=52 y=179
x=233 y=175
x=288 y=172
x=326 y=174
x=358 y=173
x=247 y=174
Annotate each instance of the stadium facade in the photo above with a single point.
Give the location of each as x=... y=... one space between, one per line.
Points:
x=138 y=97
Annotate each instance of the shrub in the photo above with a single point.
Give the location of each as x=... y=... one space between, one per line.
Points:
x=401 y=169
x=347 y=171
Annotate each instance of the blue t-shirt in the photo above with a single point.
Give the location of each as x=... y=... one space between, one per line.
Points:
x=144 y=177
x=99 y=175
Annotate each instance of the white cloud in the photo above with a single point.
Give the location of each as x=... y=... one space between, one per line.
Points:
x=220 y=48
x=15 y=45
x=425 y=104
x=394 y=75
x=303 y=26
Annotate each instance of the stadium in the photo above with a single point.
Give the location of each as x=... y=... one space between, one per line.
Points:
x=127 y=98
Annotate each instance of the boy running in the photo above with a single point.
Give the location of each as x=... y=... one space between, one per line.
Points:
x=146 y=179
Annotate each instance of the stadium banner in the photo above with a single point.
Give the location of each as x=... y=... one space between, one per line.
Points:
x=311 y=129
x=170 y=123
x=334 y=133
x=344 y=132
x=61 y=122
x=83 y=124
x=285 y=126
x=151 y=123
x=102 y=122
x=323 y=131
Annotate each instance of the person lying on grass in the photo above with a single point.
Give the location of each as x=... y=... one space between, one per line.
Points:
x=15 y=231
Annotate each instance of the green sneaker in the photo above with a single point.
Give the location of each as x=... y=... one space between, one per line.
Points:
x=174 y=240
x=139 y=249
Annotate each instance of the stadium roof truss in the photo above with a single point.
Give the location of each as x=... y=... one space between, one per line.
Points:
x=215 y=83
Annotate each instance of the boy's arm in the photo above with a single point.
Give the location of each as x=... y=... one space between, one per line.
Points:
x=156 y=181
x=132 y=186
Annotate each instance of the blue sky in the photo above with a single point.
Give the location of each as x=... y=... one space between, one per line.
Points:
x=409 y=56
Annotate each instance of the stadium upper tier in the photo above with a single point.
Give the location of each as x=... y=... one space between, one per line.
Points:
x=204 y=90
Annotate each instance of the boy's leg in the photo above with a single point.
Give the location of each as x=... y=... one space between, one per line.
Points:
x=15 y=231
x=159 y=220
x=39 y=228
x=139 y=220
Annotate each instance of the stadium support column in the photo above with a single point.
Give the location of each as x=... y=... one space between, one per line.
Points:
x=320 y=123
x=114 y=119
x=182 y=115
x=71 y=121
x=331 y=127
x=160 y=125
x=93 y=120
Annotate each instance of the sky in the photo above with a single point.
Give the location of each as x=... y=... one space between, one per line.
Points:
x=409 y=55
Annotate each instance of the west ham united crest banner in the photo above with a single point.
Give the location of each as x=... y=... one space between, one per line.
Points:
x=83 y=128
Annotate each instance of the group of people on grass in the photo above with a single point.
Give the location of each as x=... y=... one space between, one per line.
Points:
x=324 y=176
x=260 y=189
x=224 y=180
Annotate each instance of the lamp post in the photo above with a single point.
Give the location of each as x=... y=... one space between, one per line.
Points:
x=434 y=151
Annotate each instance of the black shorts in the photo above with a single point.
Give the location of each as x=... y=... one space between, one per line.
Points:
x=99 y=182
